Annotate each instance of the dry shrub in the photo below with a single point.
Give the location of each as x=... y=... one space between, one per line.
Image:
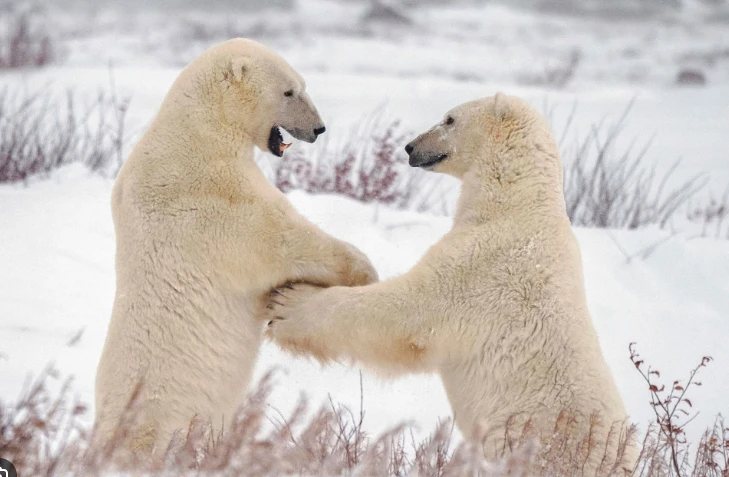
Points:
x=24 y=45
x=712 y=215
x=599 y=450
x=41 y=426
x=39 y=133
x=605 y=186
x=44 y=434
x=370 y=166
x=712 y=458
x=665 y=450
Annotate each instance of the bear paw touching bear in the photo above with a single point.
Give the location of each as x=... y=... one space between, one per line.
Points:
x=497 y=307
x=202 y=237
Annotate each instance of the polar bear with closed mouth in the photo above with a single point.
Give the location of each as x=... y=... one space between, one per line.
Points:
x=497 y=307
x=201 y=238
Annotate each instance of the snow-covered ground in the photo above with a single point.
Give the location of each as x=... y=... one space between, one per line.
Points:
x=57 y=279
x=668 y=292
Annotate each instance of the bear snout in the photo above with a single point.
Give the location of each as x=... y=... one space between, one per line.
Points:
x=302 y=134
x=426 y=159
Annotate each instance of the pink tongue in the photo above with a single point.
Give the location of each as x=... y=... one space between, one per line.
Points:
x=284 y=146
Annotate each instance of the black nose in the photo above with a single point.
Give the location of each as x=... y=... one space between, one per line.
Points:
x=409 y=149
x=319 y=131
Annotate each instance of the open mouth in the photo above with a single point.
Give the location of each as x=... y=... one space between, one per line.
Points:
x=276 y=143
x=430 y=162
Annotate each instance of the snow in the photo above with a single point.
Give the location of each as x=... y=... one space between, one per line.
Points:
x=495 y=43
x=57 y=279
x=668 y=291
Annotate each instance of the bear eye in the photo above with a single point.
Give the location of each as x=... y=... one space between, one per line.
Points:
x=449 y=120
x=289 y=93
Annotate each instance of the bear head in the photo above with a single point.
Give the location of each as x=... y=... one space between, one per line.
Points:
x=495 y=133
x=257 y=95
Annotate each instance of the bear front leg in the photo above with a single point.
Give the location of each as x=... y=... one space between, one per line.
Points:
x=373 y=324
x=317 y=258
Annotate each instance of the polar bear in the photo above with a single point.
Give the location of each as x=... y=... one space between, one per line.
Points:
x=497 y=307
x=201 y=239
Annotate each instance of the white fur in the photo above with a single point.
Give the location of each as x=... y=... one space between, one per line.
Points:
x=201 y=237
x=497 y=307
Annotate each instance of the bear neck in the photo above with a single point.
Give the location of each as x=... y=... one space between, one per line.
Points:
x=191 y=116
x=200 y=134
x=513 y=184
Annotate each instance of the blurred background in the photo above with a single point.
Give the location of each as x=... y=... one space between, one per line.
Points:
x=550 y=43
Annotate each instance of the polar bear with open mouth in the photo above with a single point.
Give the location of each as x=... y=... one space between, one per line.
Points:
x=202 y=236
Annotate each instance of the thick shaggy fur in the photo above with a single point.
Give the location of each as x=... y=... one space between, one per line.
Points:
x=497 y=307
x=201 y=238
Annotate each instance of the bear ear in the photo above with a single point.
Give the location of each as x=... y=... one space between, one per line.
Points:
x=502 y=109
x=239 y=67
